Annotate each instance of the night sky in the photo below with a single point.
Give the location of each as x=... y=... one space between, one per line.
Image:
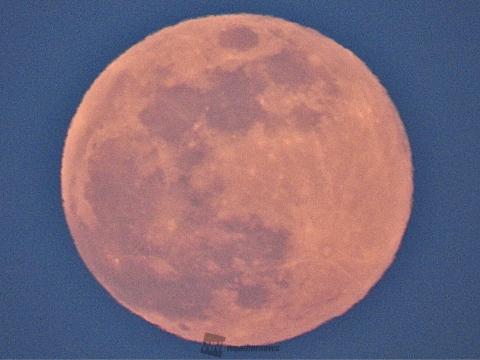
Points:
x=427 y=55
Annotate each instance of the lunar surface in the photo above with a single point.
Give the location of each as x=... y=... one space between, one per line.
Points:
x=240 y=175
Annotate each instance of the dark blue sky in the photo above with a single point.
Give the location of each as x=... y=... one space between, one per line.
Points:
x=427 y=54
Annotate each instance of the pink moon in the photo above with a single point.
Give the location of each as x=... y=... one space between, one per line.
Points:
x=240 y=175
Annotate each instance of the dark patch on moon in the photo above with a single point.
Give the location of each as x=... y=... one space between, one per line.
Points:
x=123 y=201
x=238 y=38
x=289 y=67
x=261 y=248
x=232 y=103
x=230 y=106
x=190 y=296
x=200 y=210
x=261 y=241
x=172 y=112
x=305 y=118
x=193 y=156
x=117 y=201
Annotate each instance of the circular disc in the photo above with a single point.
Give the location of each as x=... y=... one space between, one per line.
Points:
x=239 y=175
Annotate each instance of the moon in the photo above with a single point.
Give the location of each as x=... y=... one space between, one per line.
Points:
x=240 y=175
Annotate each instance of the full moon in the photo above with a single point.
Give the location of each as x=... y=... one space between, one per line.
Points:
x=240 y=175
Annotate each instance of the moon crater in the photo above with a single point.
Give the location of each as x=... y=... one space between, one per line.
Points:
x=238 y=38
